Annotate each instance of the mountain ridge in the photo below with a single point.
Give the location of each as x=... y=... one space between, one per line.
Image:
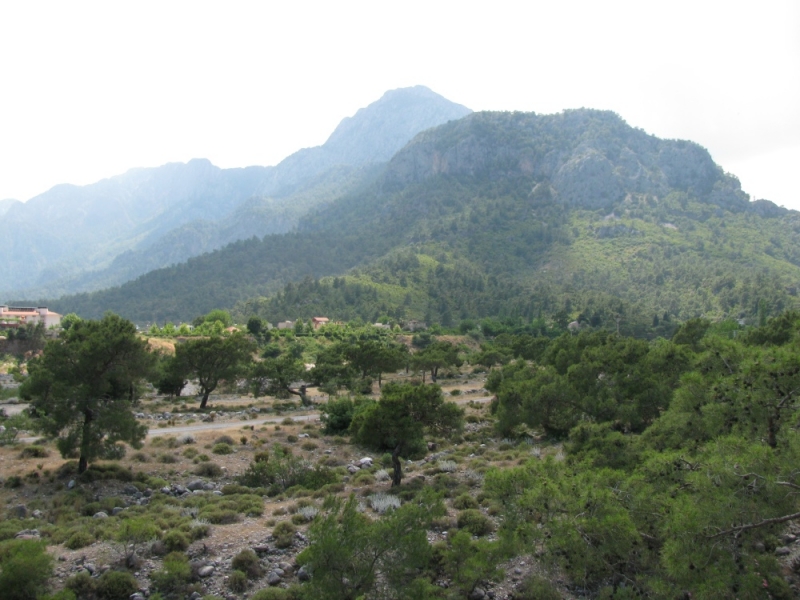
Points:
x=578 y=210
x=82 y=225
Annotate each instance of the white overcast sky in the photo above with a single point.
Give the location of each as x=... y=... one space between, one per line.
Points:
x=91 y=89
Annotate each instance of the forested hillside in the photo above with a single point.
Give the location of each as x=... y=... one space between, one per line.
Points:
x=576 y=216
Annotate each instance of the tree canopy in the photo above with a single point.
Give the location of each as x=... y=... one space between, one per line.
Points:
x=84 y=386
x=214 y=359
x=400 y=419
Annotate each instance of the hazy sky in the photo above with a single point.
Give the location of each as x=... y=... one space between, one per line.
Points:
x=91 y=89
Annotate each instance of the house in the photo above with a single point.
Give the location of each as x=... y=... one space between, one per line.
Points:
x=12 y=317
x=318 y=322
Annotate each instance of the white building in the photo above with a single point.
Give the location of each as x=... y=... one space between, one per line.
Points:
x=17 y=316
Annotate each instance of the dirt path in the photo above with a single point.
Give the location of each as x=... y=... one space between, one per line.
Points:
x=312 y=416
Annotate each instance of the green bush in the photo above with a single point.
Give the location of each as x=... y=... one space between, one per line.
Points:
x=34 y=452
x=79 y=539
x=25 y=568
x=225 y=439
x=222 y=449
x=82 y=585
x=247 y=562
x=176 y=541
x=284 y=470
x=537 y=588
x=237 y=582
x=465 y=501
x=13 y=481
x=173 y=578
x=271 y=593
x=116 y=585
x=475 y=522
x=208 y=469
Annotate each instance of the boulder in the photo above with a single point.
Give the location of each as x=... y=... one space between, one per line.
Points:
x=273 y=578
x=100 y=515
x=196 y=484
x=303 y=575
x=206 y=571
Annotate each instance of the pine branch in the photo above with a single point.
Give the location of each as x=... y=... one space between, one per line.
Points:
x=737 y=530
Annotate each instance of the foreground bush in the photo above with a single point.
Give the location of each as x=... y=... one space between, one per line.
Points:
x=25 y=568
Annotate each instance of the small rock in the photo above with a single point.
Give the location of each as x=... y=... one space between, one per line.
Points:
x=217 y=493
x=518 y=571
x=782 y=551
x=352 y=469
x=286 y=567
x=196 y=484
x=37 y=514
x=303 y=575
x=100 y=515
x=432 y=446
x=195 y=596
x=759 y=547
x=130 y=489
x=206 y=571
x=116 y=510
x=260 y=549
x=136 y=596
x=477 y=594
x=71 y=484
x=273 y=578
x=788 y=538
x=91 y=568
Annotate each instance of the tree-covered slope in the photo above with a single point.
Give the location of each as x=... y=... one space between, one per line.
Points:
x=576 y=215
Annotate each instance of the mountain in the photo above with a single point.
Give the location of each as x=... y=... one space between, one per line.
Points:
x=5 y=205
x=75 y=238
x=575 y=215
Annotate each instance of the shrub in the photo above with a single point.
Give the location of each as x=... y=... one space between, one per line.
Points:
x=82 y=585
x=271 y=593
x=283 y=470
x=34 y=452
x=25 y=568
x=475 y=522
x=382 y=475
x=222 y=449
x=175 y=541
x=208 y=469
x=225 y=439
x=446 y=466
x=237 y=582
x=465 y=501
x=199 y=531
x=364 y=478
x=140 y=457
x=13 y=481
x=247 y=562
x=537 y=588
x=201 y=458
x=167 y=458
x=174 y=576
x=190 y=452
x=115 y=585
x=284 y=528
x=380 y=503
x=79 y=539
x=309 y=446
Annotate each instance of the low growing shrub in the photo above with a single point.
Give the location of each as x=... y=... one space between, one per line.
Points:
x=475 y=522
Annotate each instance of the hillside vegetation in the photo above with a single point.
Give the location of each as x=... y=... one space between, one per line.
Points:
x=574 y=216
